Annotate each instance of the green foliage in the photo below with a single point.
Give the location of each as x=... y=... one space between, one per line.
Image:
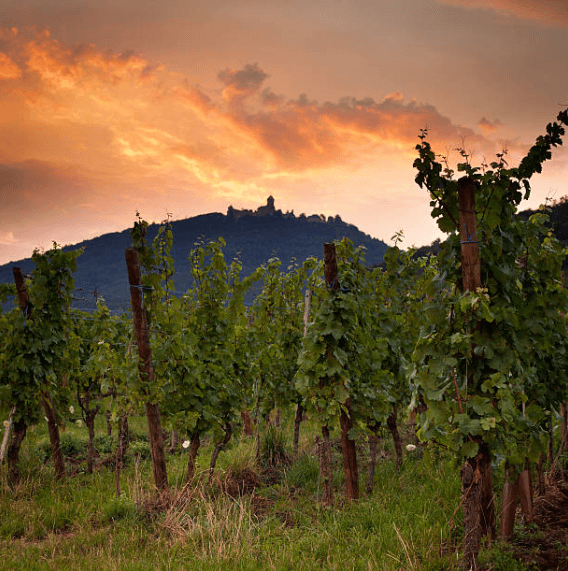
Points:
x=273 y=339
x=140 y=449
x=499 y=557
x=195 y=338
x=11 y=528
x=359 y=343
x=199 y=352
x=488 y=362
x=42 y=451
x=72 y=446
x=104 y=444
x=105 y=372
x=119 y=508
x=37 y=348
x=303 y=473
x=273 y=447
x=395 y=299
x=330 y=361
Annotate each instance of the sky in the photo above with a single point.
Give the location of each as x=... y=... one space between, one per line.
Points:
x=180 y=108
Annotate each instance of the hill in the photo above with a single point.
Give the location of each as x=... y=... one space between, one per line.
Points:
x=252 y=236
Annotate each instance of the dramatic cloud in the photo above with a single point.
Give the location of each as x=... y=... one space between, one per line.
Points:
x=8 y=69
x=547 y=12
x=489 y=126
x=116 y=113
x=242 y=83
x=302 y=133
x=95 y=135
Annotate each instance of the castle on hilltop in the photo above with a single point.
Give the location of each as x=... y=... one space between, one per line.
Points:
x=267 y=210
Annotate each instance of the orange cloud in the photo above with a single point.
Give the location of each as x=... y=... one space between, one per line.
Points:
x=8 y=69
x=114 y=112
x=546 y=12
x=489 y=126
x=84 y=127
x=301 y=133
x=242 y=82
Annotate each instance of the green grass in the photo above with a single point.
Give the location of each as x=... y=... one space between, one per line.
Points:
x=83 y=525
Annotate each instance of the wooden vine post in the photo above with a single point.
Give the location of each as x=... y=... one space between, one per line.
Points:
x=146 y=368
x=513 y=491
x=476 y=477
x=47 y=401
x=299 y=407
x=6 y=436
x=348 y=449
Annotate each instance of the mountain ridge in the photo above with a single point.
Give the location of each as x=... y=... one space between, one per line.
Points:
x=252 y=236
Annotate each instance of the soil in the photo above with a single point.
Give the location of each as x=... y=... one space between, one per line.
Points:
x=542 y=543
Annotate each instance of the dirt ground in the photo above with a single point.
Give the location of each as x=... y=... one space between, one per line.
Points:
x=543 y=542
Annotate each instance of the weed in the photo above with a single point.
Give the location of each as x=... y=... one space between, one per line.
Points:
x=303 y=473
x=119 y=508
x=104 y=444
x=140 y=449
x=72 y=446
x=12 y=528
x=273 y=448
x=42 y=451
x=499 y=557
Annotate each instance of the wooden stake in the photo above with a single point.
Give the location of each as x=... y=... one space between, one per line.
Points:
x=348 y=448
x=477 y=480
x=525 y=496
x=471 y=265
x=520 y=489
x=563 y=424
x=307 y=306
x=299 y=407
x=146 y=369
x=326 y=466
x=6 y=436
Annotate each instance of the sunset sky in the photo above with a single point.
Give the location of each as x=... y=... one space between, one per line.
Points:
x=188 y=106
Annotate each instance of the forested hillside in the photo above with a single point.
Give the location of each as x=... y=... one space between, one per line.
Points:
x=252 y=236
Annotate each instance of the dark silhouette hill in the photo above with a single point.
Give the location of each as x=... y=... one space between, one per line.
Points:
x=252 y=236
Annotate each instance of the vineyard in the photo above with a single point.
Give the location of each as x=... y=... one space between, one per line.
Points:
x=341 y=389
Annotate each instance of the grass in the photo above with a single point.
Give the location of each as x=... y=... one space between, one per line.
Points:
x=250 y=518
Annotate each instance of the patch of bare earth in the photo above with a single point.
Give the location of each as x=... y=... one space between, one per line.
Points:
x=543 y=543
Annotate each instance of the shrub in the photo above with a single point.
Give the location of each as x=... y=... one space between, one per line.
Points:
x=140 y=449
x=273 y=451
x=119 y=508
x=499 y=557
x=43 y=451
x=72 y=446
x=104 y=444
x=303 y=473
